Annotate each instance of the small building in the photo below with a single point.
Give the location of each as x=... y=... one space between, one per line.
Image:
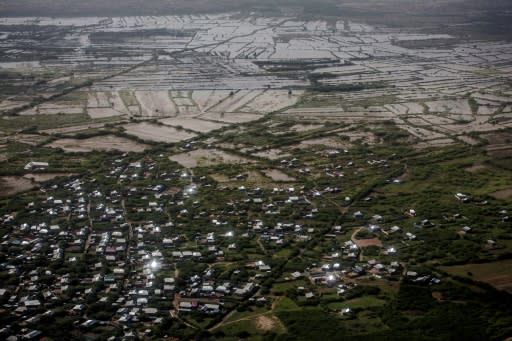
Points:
x=36 y=166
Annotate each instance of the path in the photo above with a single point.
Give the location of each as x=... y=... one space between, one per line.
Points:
x=225 y=321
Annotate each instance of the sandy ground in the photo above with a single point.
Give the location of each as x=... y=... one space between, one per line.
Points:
x=475 y=168
x=368 y=242
x=277 y=175
x=206 y=157
x=503 y=194
x=272 y=100
x=15 y=184
x=265 y=323
x=73 y=129
x=105 y=104
x=206 y=99
x=434 y=143
x=306 y=127
x=468 y=140
x=152 y=132
x=155 y=103
x=201 y=126
x=28 y=138
x=8 y=104
x=362 y=136
x=42 y=177
x=272 y=154
x=231 y=117
x=497 y=274
x=108 y=142
x=324 y=141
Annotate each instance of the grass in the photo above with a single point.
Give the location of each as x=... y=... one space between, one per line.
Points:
x=365 y=323
x=283 y=253
x=237 y=315
x=360 y=302
x=40 y=122
x=249 y=326
x=284 y=286
x=286 y=304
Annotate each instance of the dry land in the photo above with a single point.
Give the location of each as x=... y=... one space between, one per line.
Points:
x=497 y=274
x=107 y=142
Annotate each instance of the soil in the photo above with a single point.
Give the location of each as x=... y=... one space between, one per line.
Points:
x=206 y=157
x=15 y=184
x=277 y=175
x=368 y=242
x=265 y=323
x=503 y=194
x=108 y=142
x=475 y=168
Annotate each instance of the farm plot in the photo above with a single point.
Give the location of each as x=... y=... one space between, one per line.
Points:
x=277 y=175
x=460 y=107
x=235 y=101
x=105 y=104
x=53 y=108
x=205 y=99
x=8 y=104
x=108 y=142
x=329 y=142
x=272 y=154
x=15 y=184
x=497 y=274
x=434 y=143
x=156 y=103
x=305 y=127
x=42 y=177
x=152 y=132
x=30 y=139
x=231 y=117
x=194 y=124
x=499 y=144
x=361 y=136
x=74 y=129
x=206 y=157
x=272 y=100
x=421 y=133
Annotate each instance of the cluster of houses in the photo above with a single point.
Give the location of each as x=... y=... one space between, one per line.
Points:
x=130 y=231
x=84 y=217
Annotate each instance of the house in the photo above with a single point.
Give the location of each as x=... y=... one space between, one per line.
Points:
x=32 y=335
x=394 y=229
x=346 y=311
x=36 y=166
x=185 y=306
x=32 y=303
x=466 y=229
x=296 y=275
x=89 y=323
x=411 y=274
x=150 y=311
x=245 y=290
x=210 y=308
x=462 y=197
x=377 y=218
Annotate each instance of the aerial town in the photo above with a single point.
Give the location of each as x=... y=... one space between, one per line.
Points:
x=240 y=176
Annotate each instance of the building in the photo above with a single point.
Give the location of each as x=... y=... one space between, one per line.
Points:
x=36 y=166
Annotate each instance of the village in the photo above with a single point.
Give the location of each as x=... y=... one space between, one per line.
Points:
x=141 y=241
